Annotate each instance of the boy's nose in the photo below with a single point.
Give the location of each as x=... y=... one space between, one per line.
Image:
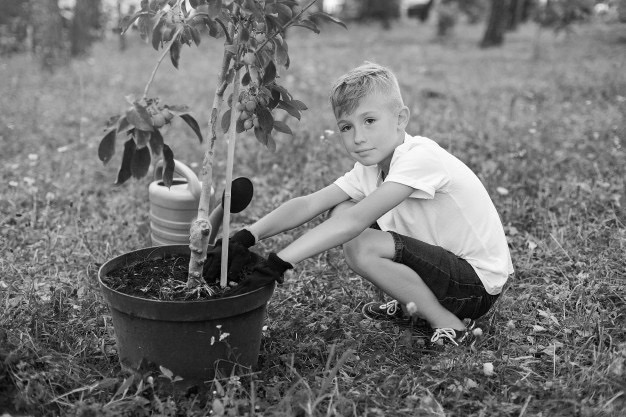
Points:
x=359 y=138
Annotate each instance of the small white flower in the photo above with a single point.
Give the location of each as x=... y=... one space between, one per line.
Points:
x=488 y=368
x=411 y=308
x=212 y=340
x=477 y=332
x=33 y=156
x=502 y=191
x=224 y=336
x=29 y=180
x=13 y=184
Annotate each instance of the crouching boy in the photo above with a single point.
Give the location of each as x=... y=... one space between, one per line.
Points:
x=413 y=219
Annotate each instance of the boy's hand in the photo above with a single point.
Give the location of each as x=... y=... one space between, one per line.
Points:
x=238 y=256
x=265 y=272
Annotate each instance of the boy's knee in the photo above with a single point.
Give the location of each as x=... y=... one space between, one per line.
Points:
x=357 y=252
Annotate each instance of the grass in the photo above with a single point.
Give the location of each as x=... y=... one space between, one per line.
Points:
x=543 y=128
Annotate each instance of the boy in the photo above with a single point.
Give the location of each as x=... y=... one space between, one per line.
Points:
x=436 y=239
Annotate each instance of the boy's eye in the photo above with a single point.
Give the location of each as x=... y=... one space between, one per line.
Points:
x=369 y=121
x=344 y=128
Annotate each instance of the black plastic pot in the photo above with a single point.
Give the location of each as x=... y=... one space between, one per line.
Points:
x=184 y=336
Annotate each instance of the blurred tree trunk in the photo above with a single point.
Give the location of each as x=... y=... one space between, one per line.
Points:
x=496 y=25
x=85 y=24
x=516 y=8
x=621 y=10
x=47 y=33
x=120 y=16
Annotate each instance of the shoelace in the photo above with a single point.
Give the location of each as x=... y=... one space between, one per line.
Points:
x=445 y=332
x=391 y=307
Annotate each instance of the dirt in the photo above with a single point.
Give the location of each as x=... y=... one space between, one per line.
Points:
x=163 y=279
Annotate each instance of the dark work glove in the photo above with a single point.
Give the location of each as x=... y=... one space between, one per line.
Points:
x=238 y=256
x=265 y=272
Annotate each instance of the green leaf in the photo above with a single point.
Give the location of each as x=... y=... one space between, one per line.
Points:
x=175 y=52
x=178 y=109
x=298 y=105
x=193 y=124
x=239 y=126
x=140 y=163
x=145 y=25
x=282 y=11
x=127 y=21
x=281 y=54
x=269 y=74
x=309 y=24
x=168 y=166
x=244 y=36
x=195 y=35
x=226 y=120
x=321 y=16
x=122 y=124
x=125 y=171
x=266 y=120
x=156 y=142
x=142 y=137
x=215 y=8
x=156 y=34
x=260 y=135
x=107 y=146
x=289 y=109
x=245 y=80
x=283 y=92
x=136 y=117
x=282 y=127
x=271 y=144
x=252 y=7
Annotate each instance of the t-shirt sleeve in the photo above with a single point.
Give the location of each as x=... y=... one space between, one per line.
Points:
x=419 y=169
x=351 y=185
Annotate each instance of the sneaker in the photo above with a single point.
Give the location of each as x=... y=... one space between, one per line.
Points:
x=391 y=312
x=448 y=336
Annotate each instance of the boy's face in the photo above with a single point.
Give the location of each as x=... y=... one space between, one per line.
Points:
x=372 y=131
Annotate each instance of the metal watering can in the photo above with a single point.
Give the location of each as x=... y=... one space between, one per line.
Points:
x=172 y=210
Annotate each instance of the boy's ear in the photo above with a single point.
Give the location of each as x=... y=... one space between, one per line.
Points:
x=403 y=117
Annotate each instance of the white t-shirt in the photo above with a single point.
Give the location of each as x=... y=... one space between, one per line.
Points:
x=450 y=207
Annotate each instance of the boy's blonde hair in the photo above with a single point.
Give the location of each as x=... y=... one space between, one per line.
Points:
x=352 y=87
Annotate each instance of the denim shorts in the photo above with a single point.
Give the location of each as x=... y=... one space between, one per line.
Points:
x=452 y=279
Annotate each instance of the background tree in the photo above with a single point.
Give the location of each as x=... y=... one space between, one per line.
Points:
x=48 y=37
x=13 y=26
x=496 y=25
x=86 y=25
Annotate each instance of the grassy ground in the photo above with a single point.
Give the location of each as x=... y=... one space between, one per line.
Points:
x=543 y=127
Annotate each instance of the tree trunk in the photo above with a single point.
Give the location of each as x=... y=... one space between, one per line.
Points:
x=496 y=26
x=86 y=20
x=120 y=16
x=621 y=10
x=516 y=8
x=48 y=33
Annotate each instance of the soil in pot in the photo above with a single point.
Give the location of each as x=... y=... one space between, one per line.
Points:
x=165 y=278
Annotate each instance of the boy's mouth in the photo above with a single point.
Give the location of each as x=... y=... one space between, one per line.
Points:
x=360 y=151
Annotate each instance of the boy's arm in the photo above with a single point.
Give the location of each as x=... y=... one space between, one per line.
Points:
x=297 y=211
x=347 y=224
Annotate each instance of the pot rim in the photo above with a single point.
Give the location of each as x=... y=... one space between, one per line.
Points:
x=167 y=309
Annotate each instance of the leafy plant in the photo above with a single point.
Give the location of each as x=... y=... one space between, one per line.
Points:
x=255 y=51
